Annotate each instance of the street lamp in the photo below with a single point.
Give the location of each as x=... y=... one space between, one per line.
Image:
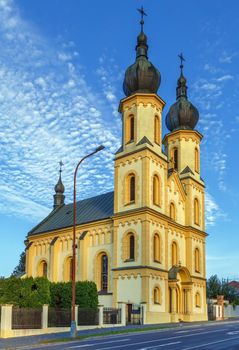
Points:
x=73 y=321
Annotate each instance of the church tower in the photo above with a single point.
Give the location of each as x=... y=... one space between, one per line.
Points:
x=182 y=146
x=141 y=135
x=159 y=238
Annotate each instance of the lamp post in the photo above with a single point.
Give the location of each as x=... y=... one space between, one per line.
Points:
x=73 y=322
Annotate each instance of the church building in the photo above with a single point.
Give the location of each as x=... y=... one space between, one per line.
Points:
x=143 y=243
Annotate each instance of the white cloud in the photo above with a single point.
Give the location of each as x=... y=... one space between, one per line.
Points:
x=225 y=77
x=212 y=211
x=48 y=112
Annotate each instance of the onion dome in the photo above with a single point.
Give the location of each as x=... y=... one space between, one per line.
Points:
x=142 y=76
x=182 y=115
x=59 y=188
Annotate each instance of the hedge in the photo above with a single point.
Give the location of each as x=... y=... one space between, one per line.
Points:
x=35 y=292
x=27 y=292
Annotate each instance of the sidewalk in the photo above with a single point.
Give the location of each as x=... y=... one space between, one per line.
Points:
x=13 y=343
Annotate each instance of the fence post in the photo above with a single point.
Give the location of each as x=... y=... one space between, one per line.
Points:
x=122 y=308
x=144 y=313
x=101 y=315
x=6 y=321
x=44 y=316
x=76 y=314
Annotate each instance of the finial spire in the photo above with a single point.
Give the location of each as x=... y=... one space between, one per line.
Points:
x=182 y=87
x=182 y=59
x=61 y=165
x=142 y=12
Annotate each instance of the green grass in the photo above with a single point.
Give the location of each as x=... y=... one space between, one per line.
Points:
x=59 y=340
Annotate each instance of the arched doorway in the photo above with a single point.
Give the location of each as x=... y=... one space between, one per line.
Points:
x=180 y=286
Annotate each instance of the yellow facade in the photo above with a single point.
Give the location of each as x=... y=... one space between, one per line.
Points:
x=152 y=259
x=146 y=247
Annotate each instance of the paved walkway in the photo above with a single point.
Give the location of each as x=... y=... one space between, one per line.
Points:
x=14 y=343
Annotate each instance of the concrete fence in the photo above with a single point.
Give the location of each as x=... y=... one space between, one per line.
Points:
x=9 y=316
x=230 y=311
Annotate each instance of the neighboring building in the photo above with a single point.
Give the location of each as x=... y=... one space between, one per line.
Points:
x=235 y=285
x=144 y=243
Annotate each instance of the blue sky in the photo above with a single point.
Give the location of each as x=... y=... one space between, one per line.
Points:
x=61 y=70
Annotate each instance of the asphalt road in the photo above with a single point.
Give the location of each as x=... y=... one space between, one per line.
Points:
x=223 y=336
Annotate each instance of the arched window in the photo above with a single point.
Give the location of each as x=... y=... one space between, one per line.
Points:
x=68 y=269
x=157 y=295
x=104 y=272
x=197 y=299
x=156 y=130
x=132 y=189
x=196 y=159
x=175 y=158
x=42 y=269
x=197 y=260
x=156 y=190
x=131 y=247
x=129 y=129
x=157 y=248
x=174 y=254
x=172 y=212
x=196 y=211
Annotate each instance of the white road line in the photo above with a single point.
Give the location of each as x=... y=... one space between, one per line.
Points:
x=181 y=332
x=233 y=332
x=158 y=340
x=157 y=346
x=106 y=342
x=206 y=344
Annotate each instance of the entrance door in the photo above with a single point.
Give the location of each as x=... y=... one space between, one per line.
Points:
x=129 y=312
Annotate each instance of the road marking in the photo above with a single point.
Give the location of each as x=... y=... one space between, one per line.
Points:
x=206 y=344
x=233 y=332
x=106 y=342
x=181 y=332
x=138 y=343
x=157 y=346
x=159 y=340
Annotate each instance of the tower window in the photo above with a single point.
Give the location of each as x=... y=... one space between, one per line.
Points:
x=131 y=188
x=196 y=211
x=157 y=248
x=174 y=254
x=197 y=260
x=175 y=159
x=196 y=159
x=131 y=247
x=157 y=295
x=129 y=132
x=156 y=190
x=197 y=300
x=172 y=211
x=156 y=130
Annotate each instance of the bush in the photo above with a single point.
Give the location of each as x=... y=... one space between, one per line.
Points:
x=27 y=292
x=86 y=294
x=35 y=292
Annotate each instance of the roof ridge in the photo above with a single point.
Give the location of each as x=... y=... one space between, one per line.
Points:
x=99 y=206
x=46 y=218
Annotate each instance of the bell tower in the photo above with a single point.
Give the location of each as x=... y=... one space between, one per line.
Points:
x=182 y=146
x=141 y=112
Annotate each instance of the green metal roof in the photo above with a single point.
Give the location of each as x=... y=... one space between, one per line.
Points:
x=91 y=209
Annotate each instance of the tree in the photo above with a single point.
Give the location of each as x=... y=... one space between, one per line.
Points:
x=216 y=287
x=20 y=268
x=213 y=287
